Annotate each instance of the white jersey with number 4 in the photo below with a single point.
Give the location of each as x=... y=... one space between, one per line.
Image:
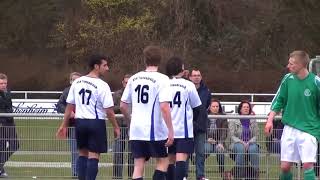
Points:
x=145 y=91
x=185 y=97
x=90 y=96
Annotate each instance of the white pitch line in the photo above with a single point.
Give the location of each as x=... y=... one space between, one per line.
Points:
x=47 y=164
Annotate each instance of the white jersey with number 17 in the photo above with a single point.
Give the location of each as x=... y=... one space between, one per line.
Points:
x=145 y=91
x=90 y=96
x=184 y=99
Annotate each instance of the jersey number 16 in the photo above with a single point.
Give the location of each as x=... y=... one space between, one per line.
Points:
x=143 y=95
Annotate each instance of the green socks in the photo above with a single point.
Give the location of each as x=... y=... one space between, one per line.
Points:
x=286 y=176
x=309 y=174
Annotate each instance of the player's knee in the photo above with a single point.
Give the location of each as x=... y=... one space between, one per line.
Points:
x=139 y=164
x=307 y=165
x=172 y=159
x=83 y=152
x=162 y=164
x=94 y=155
x=285 y=167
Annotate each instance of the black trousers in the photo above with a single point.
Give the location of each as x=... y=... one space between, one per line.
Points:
x=8 y=141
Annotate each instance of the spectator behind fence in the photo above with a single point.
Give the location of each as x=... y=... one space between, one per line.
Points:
x=217 y=134
x=244 y=134
x=273 y=143
x=8 y=136
x=200 y=123
x=61 y=107
x=91 y=97
x=120 y=144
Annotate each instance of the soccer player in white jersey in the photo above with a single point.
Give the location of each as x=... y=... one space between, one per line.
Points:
x=151 y=130
x=185 y=101
x=91 y=98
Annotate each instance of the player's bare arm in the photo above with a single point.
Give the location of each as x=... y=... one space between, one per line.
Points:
x=166 y=114
x=124 y=108
x=269 y=125
x=112 y=119
x=62 y=131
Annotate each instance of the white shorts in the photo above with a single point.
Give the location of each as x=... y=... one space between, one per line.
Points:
x=297 y=145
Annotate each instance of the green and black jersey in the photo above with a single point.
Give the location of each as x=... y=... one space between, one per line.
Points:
x=300 y=101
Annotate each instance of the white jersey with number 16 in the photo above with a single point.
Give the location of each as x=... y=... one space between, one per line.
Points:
x=145 y=91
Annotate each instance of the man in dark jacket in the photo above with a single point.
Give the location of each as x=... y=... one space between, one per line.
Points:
x=61 y=107
x=200 y=124
x=8 y=136
x=120 y=144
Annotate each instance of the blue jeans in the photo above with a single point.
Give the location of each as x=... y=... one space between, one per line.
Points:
x=213 y=148
x=73 y=148
x=199 y=143
x=252 y=152
x=118 y=151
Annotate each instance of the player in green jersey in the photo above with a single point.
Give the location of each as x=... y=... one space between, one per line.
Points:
x=298 y=97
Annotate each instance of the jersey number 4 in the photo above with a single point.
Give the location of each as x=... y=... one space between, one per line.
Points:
x=143 y=95
x=176 y=99
x=82 y=93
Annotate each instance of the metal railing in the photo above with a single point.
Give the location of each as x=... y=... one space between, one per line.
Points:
x=27 y=93
x=252 y=96
x=41 y=155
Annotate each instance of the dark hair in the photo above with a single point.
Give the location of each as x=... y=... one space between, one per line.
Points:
x=152 y=55
x=96 y=59
x=195 y=69
x=174 y=66
x=241 y=104
x=219 y=104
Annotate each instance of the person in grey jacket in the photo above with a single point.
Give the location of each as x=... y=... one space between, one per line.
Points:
x=244 y=134
x=61 y=106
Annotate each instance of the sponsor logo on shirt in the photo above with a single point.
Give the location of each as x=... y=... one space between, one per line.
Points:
x=307 y=92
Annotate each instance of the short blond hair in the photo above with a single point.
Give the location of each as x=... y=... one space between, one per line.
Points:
x=3 y=76
x=301 y=56
x=74 y=74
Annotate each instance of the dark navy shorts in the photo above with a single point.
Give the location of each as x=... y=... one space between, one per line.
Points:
x=91 y=134
x=185 y=145
x=147 y=149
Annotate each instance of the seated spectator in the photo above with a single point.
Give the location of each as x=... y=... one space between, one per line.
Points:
x=243 y=134
x=217 y=134
x=273 y=141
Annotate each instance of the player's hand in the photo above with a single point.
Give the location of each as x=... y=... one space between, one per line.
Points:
x=220 y=146
x=211 y=141
x=116 y=132
x=62 y=132
x=170 y=138
x=72 y=115
x=268 y=128
x=246 y=146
